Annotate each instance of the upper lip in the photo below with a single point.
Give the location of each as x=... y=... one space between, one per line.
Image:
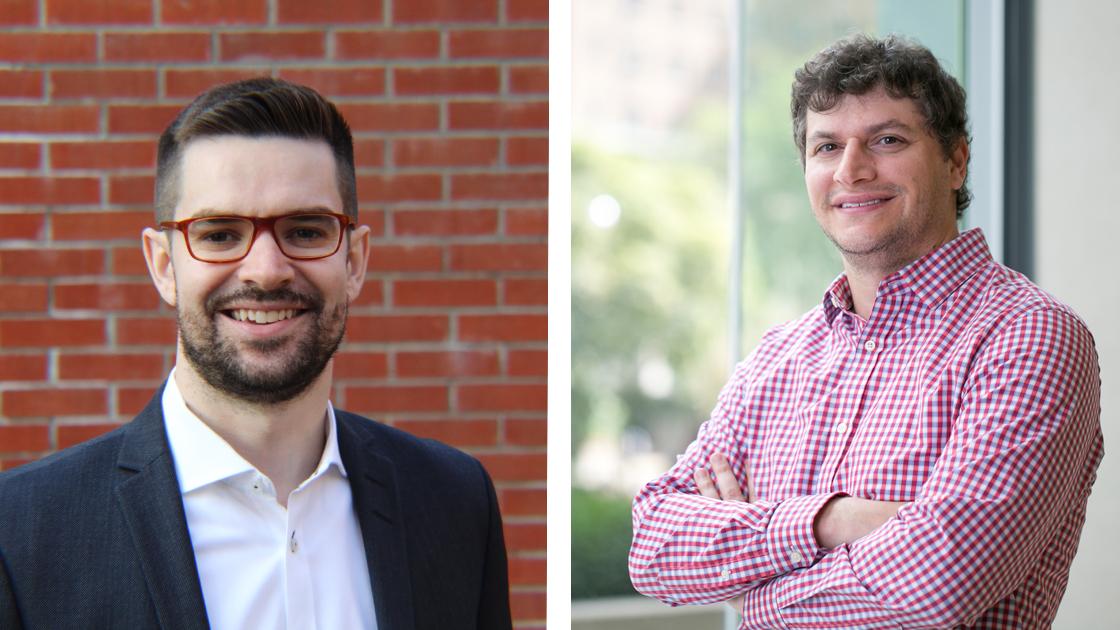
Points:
x=263 y=307
x=840 y=200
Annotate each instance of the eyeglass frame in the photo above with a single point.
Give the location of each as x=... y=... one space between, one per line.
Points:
x=269 y=223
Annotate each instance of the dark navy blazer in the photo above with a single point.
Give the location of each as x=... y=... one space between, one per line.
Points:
x=95 y=536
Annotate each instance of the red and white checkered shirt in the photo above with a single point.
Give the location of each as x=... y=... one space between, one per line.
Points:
x=969 y=392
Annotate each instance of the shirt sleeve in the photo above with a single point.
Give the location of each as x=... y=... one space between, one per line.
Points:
x=1012 y=480
x=689 y=549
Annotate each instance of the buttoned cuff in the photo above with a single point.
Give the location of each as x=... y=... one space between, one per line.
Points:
x=790 y=542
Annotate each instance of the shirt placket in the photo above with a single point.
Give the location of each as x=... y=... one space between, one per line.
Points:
x=300 y=608
x=864 y=352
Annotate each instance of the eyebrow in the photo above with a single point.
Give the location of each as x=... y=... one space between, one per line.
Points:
x=892 y=123
x=216 y=212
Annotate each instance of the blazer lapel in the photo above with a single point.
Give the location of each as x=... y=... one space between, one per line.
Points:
x=149 y=497
x=374 y=488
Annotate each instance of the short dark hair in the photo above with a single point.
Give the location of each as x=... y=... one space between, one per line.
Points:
x=260 y=107
x=903 y=68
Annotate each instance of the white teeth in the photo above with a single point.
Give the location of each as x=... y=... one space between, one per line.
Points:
x=262 y=317
x=860 y=205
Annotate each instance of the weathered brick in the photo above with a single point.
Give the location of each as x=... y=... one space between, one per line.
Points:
x=328 y=11
x=214 y=12
x=21 y=84
x=99 y=12
x=389 y=328
x=155 y=47
x=385 y=399
x=503 y=327
x=272 y=46
x=445 y=222
x=418 y=11
x=103 y=154
x=32 y=333
x=447 y=80
x=383 y=45
x=48 y=118
x=445 y=151
x=23 y=298
x=51 y=262
x=339 y=81
x=42 y=47
x=499 y=43
x=444 y=293
x=447 y=364
x=21 y=225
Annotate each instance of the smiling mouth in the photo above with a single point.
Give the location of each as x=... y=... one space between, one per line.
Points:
x=862 y=204
x=261 y=316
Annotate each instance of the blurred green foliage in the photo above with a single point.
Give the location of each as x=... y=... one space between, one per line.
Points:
x=600 y=544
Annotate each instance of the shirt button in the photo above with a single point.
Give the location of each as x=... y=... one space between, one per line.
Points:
x=841 y=427
x=796 y=557
x=869 y=345
x=293 y=544
x=726 y=573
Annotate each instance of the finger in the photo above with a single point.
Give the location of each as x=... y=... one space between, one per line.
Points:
x=704 y=483
x=726 y=482
x=751 y=494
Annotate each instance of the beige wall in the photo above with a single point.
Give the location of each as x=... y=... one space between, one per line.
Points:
x=1077 y=241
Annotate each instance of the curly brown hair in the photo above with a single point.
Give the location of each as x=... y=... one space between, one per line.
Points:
x=903 y=68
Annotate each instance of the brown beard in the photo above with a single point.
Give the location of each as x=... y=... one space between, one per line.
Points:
x=219 y=361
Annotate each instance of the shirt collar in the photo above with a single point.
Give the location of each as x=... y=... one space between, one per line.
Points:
x=203 y=457
x=930 y=278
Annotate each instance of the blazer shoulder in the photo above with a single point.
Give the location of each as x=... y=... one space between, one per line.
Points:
x=407 y=450
x=65 y=471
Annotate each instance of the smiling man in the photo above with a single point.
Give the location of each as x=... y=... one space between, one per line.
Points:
x=918 y=450
x=240 y=498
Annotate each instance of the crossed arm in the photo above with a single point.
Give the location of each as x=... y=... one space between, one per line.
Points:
x=1006 y=494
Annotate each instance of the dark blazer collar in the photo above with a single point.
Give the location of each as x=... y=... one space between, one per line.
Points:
x=373 y=485
x=148 y=494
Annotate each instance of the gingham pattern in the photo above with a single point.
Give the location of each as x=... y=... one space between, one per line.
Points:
x=969 y=392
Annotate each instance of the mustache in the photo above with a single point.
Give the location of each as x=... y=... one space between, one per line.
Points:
x=221 y=301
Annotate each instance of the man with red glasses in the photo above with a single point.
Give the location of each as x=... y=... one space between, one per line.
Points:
x=240 y=498
x=916 y=451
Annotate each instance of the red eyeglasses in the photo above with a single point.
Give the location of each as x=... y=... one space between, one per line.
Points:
x=228 y=238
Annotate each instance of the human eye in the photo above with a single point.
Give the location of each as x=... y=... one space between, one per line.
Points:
x=825 y=148
x=217 y=233
x=309 y=230
x=890 y=141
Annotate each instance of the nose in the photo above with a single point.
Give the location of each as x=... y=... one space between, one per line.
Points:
x=265 y=265
x=856 y=165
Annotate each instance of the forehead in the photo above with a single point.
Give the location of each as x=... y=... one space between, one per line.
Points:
x=256 y=176
x=855 y=113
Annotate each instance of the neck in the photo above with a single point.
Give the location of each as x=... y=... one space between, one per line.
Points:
x=284 y=441
x=866 y=272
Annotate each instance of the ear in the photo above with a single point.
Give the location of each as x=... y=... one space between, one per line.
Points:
x=357 y=257
x=157 y=253
x=958 y=163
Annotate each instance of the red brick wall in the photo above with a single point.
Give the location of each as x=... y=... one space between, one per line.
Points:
x=448 y=103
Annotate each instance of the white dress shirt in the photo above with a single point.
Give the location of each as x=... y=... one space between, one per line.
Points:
x=261 y=565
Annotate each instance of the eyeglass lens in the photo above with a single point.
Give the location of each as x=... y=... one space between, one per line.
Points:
x=298 y=236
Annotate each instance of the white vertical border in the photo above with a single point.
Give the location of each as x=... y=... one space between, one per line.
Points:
x=984 y=73
x=559 y=562
x=736 y=199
